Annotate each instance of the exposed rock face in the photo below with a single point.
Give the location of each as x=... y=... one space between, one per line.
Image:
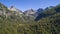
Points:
x=12 y=8
x=38 y=11
x=16 y=14
x=29 y=12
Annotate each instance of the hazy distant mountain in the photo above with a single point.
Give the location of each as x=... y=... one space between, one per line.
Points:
x=29 y=12
x=38 y=11
x=27 y=15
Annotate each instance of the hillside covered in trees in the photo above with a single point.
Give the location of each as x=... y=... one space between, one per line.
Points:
x=43 y=21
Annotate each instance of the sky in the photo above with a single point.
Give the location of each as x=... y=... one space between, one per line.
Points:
x=30 y=4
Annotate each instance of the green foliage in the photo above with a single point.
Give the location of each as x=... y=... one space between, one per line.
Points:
x=14 y=24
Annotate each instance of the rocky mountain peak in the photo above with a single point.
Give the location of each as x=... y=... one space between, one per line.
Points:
x=29 y=12
x=12 y=8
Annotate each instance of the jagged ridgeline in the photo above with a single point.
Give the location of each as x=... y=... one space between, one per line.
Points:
x=41 y=21
x=13 y=14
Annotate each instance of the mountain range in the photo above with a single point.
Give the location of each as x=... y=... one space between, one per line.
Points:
x=40 y=21
x=28 y=14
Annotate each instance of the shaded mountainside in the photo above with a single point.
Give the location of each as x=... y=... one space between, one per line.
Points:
x=47 y=21
x=48 y=12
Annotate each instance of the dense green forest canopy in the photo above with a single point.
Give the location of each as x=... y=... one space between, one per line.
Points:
x=48 y=22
